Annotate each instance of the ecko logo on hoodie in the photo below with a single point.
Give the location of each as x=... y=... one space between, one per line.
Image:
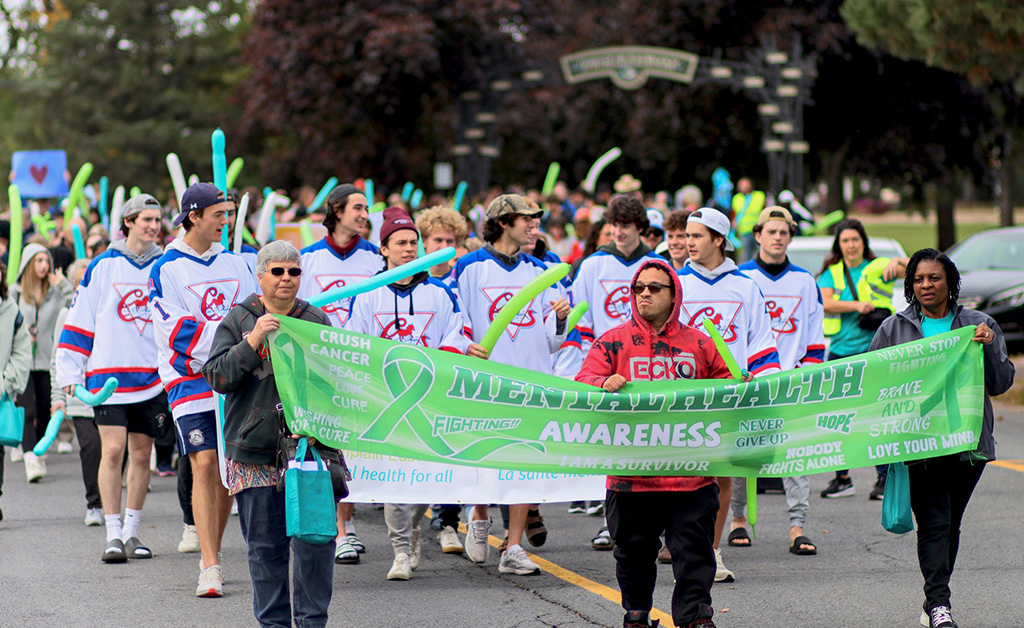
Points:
x=617 y=302
x=682 y=366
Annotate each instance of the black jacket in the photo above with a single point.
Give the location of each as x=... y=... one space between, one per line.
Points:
x=252 y=419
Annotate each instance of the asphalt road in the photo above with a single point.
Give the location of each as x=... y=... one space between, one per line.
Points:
x=862 y=576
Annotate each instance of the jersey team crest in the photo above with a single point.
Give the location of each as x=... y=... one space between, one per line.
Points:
x=332 y=282
x=133 y=304
x=722 y=315
x=617 y=300
x=216 y=298
x=498 y=297
x=407 y=328
x=782 y=310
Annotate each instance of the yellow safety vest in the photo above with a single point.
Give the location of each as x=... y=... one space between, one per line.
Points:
x=746 y=214
x=870 y=287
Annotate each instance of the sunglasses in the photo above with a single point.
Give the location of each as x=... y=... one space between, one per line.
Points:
x=277 y=271
x=655 y=288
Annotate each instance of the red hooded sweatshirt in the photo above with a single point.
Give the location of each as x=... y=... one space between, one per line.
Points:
x=637 y=351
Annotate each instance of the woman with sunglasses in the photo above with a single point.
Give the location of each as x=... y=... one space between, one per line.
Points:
x=239 y=367
x=941 y=487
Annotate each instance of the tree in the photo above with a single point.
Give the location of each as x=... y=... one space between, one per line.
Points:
x=123 y=82
x=982 y=40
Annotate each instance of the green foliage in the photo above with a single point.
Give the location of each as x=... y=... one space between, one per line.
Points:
x=121 y=83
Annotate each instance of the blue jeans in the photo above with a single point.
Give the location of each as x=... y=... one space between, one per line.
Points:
x=261 y=513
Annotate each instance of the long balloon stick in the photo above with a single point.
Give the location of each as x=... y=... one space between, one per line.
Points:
x=407 y=191
x=828 y=221
x=116 y=209
x=104 y=191
x=575 y=315
x=76 y=233
x=379 y=206
x=177 y=176
x=17 y=232
x=135 y=191
x=368 y=188
x=75 y=194
x=551 y=179
x=382 y=279
x=93 y=399
x=234 y=170
x=321 y=196
x=264 y=221
x=460 y=194
x=416 y=199
x=590 y=183
x=220 y=174
x=193 y=179
x=521 y=299
x=243 y=208
x=306 y=233
x=723 y=350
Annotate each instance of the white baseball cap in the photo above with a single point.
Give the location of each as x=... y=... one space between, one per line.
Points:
x=715 y=221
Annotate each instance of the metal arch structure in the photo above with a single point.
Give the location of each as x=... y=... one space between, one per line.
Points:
x=778 y=81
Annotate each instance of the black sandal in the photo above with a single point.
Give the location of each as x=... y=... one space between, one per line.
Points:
x=803 y=551
x=738 y=534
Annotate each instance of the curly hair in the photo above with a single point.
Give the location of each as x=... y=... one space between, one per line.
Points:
x=626 y=209
x=676 y=221
x=952 y=274
x=443 y=218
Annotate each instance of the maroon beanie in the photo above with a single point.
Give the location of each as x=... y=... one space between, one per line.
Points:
x=395 y=219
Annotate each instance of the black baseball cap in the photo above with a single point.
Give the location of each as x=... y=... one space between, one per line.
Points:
x=197 y=197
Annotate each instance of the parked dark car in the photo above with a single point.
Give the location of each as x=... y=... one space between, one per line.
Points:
x=991 y=266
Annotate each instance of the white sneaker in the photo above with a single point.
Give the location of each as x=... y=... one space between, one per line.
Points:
x=415 y=550
x=477 y=547
x=210 y=582
x=16 y=455
x=449 y=540
x=400 y=569
x=35 y=469
x=189 y=540
x=515 y=561
x=94 y=517
x=64 y=447
x=722 y=574
x=234 y=507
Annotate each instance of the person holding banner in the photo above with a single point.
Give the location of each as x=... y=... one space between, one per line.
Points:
x=108 y=334
x=794 y=304
x=941 y=487
x=418 y=310
x=485 y=280
x=715 y=289
x=239 y=367
x=653 y=344
x=341 y=258
x=192 y=288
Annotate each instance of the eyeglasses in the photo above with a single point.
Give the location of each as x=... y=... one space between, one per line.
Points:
x=655 y=288
x=279 y=272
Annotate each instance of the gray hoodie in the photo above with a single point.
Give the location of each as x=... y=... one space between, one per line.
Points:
x=15 y=350
x=999 y=371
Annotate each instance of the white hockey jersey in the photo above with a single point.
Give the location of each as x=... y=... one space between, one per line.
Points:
x=604 y=280
x=109 y=329
x=190 y=295
x=568 y=360
x=735 y=305
x=484 y=284
x=424 y=313
x=324 y=268
x=794 y=303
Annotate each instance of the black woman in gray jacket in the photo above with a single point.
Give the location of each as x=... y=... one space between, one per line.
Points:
x=941 y=487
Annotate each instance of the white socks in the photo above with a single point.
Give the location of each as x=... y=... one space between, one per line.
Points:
x=113 y=527
x=350 y=527
x=131 y=523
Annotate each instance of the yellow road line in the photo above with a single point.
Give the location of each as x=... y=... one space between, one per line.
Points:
x=574 y=578
x=1016 y=465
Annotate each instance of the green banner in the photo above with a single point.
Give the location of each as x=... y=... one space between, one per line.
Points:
x=917 y=400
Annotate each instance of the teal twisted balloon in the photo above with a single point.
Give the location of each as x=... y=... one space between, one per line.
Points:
x=409 y=389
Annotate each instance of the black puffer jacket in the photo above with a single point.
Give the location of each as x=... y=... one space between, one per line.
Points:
x=252 y=420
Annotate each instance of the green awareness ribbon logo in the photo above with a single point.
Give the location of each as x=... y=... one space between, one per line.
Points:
x=400 y=361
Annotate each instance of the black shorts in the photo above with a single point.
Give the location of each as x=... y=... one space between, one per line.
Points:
x=142 y=417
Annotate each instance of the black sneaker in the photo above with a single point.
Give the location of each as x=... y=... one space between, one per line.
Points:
x=839 y=487
x=701 y=622
x=941 y=618
x=638 y=619
x=879 y=490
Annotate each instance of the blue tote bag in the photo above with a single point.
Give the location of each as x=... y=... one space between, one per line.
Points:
x=12 y=422
x=309 y=498
x=897 y=515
